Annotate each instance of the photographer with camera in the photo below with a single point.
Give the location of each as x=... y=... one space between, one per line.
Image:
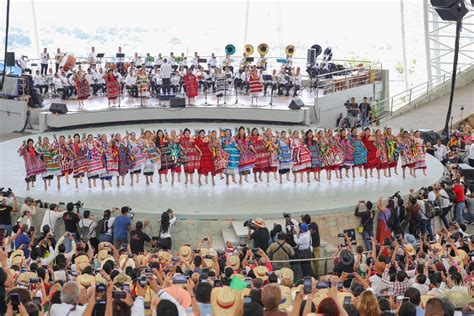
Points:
x=303 y=248
x=51 y=216
x=367 y=214
x=5 y=212
x=260 y=234
x=291 y=227
x=71 y=220
x=122 y=225
x=164 y=235
x=444 y=200
x=29 y=205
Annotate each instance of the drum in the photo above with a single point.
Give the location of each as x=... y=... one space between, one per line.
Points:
x=110 y=65
x=69 y=63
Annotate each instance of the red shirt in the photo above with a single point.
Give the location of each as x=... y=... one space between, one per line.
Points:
x=459 y=191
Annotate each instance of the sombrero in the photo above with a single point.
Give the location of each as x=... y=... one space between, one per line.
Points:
x=86 y=280
x=261 y=272
x=185 y=252
x=234 y=262
x=259 y=222
x=81 y=262
x=225 y=301
x=286 y=300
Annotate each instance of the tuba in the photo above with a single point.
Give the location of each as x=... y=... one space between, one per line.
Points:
x=262 y=49
x=248 y=50
x=290 y=50
x=229 y=49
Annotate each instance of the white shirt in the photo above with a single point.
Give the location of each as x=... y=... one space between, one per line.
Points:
x=303 y=240
x=119 y=59
x=31 y=209
x=91 y=224
x=175 y=80
x=110 y=223
x=44 y=57
x=444 y=200
x=99 y=77
x=172 y=61
x=65 y=309
x=23 y=62
x=298 y=80
x=431 y=196
x=441 y=151
x=130 y=80
x=50 y=218
x=92 y=56
x=165 y=71
x=376 y=283
x=168 y=233
x=58 y=84
x=421 y=203
x=423 y=288
x=38 y=80
x=471 y=152
x=138 y=61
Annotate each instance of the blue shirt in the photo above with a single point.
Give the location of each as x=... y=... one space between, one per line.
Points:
x=420 y=311
x=23 y=239
x=121 y=224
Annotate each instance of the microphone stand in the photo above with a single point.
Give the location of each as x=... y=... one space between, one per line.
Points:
x=225 y=89
x=236 y=92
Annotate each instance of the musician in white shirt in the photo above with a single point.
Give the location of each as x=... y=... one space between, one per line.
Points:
x=99 y=82
x=183 y=61
x=289 y=64
x=137 y=60
x=165 y=72
x=23 y=62
x=212 y=62
x=61 y=85
x=297 y=82
x=283 y=83
x=44 y=59
x=156 y=80
x=159 y=60
x=92 y=56
x=441 y=151
x=119 y=78
x=58 y=58
x=273 y=83
x=172 y=61
x=39 y=83
x=175 y=81
x=262 y=63
x=131 y=83
x=244 y=76
x=120 y=60
x=196 y=60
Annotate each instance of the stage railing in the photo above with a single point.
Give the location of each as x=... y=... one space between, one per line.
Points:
x=404 y=100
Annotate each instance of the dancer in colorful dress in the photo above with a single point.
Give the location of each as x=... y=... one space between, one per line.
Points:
x=80 y=159
x=407 y=154
x=191 y=85
x=336 y=155
x=175 y=156
x=230 y=147
x=284 y=156
x=50 y=157
x=247 y=154
x=316 y=156
x=109 y=160
x=373 y=160
x=420 y=152
x=380 y=144
x=360 y=152
x=256 y=87
x=190 y=155
x=348 y=150
x=393 y=151
x=83 y=89
x=138 y=156
x=272 y=148
x=113 y=86
x=33 y=163
x=206 y=160
x=221 y=158
x=121 y=150
x=301 y=157
x=66 y=157
x=152 y=154
x=163 y=146
x=262 y=155
x=95 y=166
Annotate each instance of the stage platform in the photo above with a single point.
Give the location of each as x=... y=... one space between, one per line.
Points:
x=221 y=202
x=97 y=111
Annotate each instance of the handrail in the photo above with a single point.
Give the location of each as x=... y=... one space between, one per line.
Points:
x=404 y=99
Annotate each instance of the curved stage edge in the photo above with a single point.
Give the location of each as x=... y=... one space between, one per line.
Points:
x=221 y=202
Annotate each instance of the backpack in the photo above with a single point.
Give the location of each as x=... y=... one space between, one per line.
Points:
x=392 y=221
x=102 y=226
x=429 y=209
x=85 y=231
x=451 y=195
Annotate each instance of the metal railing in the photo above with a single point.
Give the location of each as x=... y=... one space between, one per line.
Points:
x=403 y=100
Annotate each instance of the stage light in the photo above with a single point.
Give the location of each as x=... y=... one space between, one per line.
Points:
x=450 y=10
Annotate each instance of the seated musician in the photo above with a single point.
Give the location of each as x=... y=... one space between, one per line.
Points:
x=131 y=84
x=288 y=65
x=212 y=62
x=297 y=80
x=159 y=60
x=172 y=62
x=137 y=60
x=273 y=83
x=149 y=60
x=244 y=77
x=120 y=60
x=175 y=82
x=283 y=82
x=201 y=76
x=211 y=77
x=196 y=60
x=262 y=63
x=39 y=83
x=228 y=63
x=61 y=85
x=156 y=80
x=182 y=62
x=99 y=82
x=92 y=56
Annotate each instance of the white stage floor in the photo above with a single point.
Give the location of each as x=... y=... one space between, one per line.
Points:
x=207 y=202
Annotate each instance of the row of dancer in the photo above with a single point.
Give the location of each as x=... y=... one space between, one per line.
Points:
x=219 y=152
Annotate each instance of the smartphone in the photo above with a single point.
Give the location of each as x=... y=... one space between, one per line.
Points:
x=100 y=288
x=217 y=283
x=247 y=299
x=15 y=300
x=208 y=257
x=307 y=285
x=243 y=271
x=196 y=251
x=126 y=288
x=34 y=280
x=405 y=299
x=248 y=281
x=322 y=285
x=119 y=294
x=180 y=279
x=347 y=300
x=37 y=301
x=340 y=286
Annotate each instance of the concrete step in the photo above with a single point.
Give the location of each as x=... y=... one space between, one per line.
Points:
x=218 y=242
x=228 y=234
x=239 y=229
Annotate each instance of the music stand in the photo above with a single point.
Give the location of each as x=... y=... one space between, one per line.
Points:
x=120 y=55
x=249 y=59
x=268 y=78
x=100 y=55
x=202 y=60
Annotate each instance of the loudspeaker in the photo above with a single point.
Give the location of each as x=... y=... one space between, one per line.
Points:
x=450 y=10
x=59 y=108
x=178 y=103
x=296 y=104
x=10 y=61
x=311 y=58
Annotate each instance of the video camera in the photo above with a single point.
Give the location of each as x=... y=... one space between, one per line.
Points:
x=78 y=205
x=6 y=193
x=248 y=223
x=396 y=195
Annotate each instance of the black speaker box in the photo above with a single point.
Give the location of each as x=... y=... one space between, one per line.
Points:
x=59 y=108
x=178 y=103
x=10 y=61
x=296 y=104
x=311 y=58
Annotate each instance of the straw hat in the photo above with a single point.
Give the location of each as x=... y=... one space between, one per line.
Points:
x=286 y=300
x=25 y=277
x=285 y=273
x=125 y=262
x=259 y=222
x=164 y=256
x=410 y=249
x=209 y=263
x=261 y=272
x=234 y=262
x=122 y=278
x=86 y=280
x=81 y=262
x=185 y=252
x=102 y=255
x=99 y=279
x=225 y=301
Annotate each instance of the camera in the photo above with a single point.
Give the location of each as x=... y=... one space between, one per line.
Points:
x=6 y=193
x=78 y=205
x=131 y=214
x=396 y=195
x=248 y=223
x=286 y=215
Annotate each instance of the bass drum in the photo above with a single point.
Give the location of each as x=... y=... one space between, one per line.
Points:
x=69 y=63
